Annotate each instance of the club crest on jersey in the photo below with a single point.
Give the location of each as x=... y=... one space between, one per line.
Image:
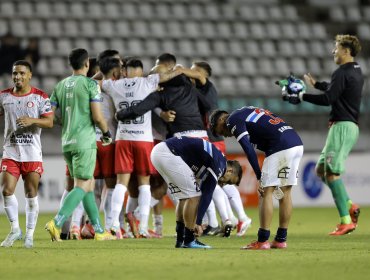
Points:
x=30 y=104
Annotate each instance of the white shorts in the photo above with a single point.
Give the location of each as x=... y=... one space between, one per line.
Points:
x=281 y=169
x=179 y=177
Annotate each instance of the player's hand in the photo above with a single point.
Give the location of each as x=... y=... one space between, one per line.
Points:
x=24 y=121
x=168 y=116
x=260 y=189
x=198 y=230
x=106 y=138
x=309 y=79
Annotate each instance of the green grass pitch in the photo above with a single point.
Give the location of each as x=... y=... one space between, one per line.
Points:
x=311 y=254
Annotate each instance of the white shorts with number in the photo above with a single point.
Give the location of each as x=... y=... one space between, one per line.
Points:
x=281 y=169
x=177 y=174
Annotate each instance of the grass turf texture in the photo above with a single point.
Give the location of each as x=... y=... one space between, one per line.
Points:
x=311 y=254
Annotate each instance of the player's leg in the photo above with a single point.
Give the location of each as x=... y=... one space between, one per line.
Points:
x=123 y=169
x=110 y=182
x=31 y=185
x=213 y=227
x=132 y=204
x=219 y=200
x=236 y=203
x=10 y=175
x=189 y=214
x=180 y=225
x=143 y=169
x=158 y=189
x=118 y=197
x=285 y=212
x=144 y=199
x=341 y=138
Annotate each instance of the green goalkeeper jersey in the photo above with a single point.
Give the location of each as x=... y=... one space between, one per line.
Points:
x=73 y=96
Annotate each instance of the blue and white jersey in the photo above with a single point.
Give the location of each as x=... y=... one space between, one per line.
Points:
x=259 y=128
x=200 y=155
x=207 y=163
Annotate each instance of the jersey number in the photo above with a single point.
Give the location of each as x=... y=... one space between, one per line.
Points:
x=173 y=188
x=69 y=116
x=273 y=120
x=125 y=105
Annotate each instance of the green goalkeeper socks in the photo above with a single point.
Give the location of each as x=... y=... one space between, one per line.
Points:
x=92 y=211
x=340 y=198
x=69 y=204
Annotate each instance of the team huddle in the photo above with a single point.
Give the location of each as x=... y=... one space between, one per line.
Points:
x=162 y=134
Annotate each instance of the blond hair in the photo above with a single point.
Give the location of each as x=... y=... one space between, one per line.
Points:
x=349 y=41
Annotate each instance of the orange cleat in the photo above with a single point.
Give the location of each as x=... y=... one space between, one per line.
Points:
x=354 y=212
x=153 y=234
x=278 y=245
x=87 y=232
x=130 y=218
x=255 y=245
x=343 y=229
x=75 y=233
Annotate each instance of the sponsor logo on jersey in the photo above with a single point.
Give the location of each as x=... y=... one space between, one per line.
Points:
x=30 y=104
x=312 y=184
x=21 y=138
x=129 y=84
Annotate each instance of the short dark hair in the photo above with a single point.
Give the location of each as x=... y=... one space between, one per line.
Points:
x=108 y=64
x=237 y=169
x=93 y=64
x=166 y=58
x=23 y=63
x=205 y=66
x=77 y=58
x=107 y=53
x=214 y=117
x=135 y=63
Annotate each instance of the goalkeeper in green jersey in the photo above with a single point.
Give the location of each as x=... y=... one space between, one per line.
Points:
x=79 y=99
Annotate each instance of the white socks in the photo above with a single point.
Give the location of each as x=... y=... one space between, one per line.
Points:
x=65 y=193
x=230 y=213
x=11 y=209
x=211 y=214
x=77 y=215
x=118 y=196
x=108 y=209
x=235 y=200
x=219 y=200
x=144 y=206
x=32 y=212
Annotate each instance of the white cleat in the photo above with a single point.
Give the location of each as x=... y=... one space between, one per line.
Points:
x=12 y=236
x=28 y=242
x=243 y=226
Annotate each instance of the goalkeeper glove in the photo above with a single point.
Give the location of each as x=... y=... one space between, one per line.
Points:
x=106 y=138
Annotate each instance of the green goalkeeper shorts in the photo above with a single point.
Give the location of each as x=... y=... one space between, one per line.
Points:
x=341 y=138
x=81 y=163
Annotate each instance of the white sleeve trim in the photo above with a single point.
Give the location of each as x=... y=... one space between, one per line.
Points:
x=241 y=135
x=213 y=173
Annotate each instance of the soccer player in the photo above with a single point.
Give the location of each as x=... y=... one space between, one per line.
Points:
x=256 y=127
x=343 y=94
x=191 y=168
x=134 y=140
x=79 y=98
x=201 y=71
x=26 y=110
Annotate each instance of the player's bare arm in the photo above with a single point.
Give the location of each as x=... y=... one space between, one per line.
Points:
x=164 y=77
x=193 y=74
x=42 y=122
